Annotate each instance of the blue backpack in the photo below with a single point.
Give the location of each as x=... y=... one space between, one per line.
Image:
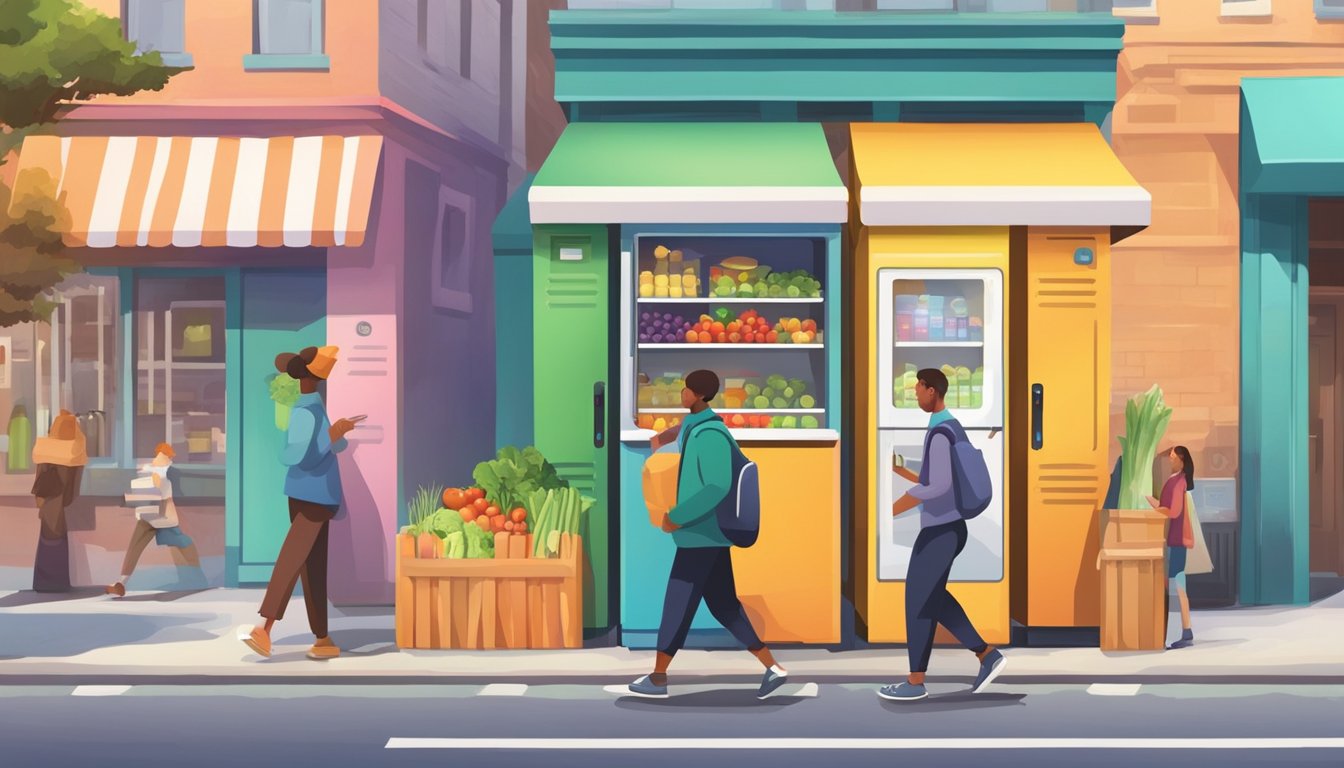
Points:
x=739 y=514
x=970 y=475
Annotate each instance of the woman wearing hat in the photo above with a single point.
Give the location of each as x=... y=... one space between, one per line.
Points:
x=60 y=458
x=313 y=485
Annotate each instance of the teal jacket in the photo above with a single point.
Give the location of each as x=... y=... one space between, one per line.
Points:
x=704 y=479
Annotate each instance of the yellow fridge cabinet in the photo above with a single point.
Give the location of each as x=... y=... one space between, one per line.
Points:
x=1068 y=376
x=913 y=289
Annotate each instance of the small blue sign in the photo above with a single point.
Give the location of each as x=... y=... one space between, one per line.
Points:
x=1083 y=256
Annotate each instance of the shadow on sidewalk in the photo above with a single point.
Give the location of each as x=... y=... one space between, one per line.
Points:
x=28 y=597
x=68 y=634
x=1325 y=586
x=161 y=597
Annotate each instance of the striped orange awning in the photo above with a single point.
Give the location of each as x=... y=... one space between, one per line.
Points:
x=187 y=191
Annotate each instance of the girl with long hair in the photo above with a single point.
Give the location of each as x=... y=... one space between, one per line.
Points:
x=1180 y=534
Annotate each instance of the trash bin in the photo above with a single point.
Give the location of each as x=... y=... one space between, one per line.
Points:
x=1133 y=580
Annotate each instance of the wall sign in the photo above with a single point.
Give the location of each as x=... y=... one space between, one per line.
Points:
x=364 y=328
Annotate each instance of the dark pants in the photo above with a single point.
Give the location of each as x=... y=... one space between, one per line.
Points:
x=703 y=572
x=303 y=556
x=927 y=601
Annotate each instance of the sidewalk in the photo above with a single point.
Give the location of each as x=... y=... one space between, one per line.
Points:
x=192 y=638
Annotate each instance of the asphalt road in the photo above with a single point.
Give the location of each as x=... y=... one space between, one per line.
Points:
x=572 y=725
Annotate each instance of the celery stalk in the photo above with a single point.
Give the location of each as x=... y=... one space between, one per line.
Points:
x=1146 y=420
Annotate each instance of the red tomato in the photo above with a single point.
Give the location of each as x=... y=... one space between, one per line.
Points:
x=508 y=525
x=721 y=337
x=483 y=522
x=492 y=511
x=520 y=527
x=497 y=523
x=481 y=505
x=518 y=515
x=468 y=513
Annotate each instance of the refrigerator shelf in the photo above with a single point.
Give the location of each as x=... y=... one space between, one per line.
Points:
x=766 y=346
x=743 y=411
x=732 y=300
x=751 y=435
x=939 y=345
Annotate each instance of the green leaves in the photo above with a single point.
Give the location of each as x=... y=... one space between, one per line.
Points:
x=284 y=389
x=514 y=475
x=1146 y=420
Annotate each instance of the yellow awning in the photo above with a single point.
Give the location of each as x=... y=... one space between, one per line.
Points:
x=188 y=191
x=915 y=174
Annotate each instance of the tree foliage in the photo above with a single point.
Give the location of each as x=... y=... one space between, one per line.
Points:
x=52 y=53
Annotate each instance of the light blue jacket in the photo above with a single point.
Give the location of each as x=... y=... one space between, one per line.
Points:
x=311 y=455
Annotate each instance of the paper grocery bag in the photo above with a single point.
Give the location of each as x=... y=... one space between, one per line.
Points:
x=660 y=485
x=1199 y=559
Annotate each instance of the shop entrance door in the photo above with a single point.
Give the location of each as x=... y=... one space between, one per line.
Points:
x=281 y=312
x=1326 y=437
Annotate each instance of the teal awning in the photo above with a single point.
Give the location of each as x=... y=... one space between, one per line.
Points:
x=1292 y=142
x=689 y=173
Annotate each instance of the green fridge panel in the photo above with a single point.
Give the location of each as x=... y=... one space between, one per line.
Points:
x=572 y=291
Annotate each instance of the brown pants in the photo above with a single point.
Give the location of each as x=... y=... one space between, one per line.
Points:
x=140 y=538
x=303 y=557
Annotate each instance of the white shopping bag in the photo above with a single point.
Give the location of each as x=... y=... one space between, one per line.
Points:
x=1199 y=560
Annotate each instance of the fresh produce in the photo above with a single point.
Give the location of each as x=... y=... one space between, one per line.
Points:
x=513 y=475
x=285 y=394
x=454 y=498
x=722 y=327
x=480 y=541
x=455 y=545
x=662 y=328
x=422 y=508
x=561 y=511
x=1146 y=419
x=794 y=330
x=672 y=276
x=965 y=388
x=758 y=283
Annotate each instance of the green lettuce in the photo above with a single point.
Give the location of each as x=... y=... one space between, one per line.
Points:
x=480 y=543
x=511 y=478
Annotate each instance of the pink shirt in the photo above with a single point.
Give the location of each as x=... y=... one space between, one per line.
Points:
x=1173 y=498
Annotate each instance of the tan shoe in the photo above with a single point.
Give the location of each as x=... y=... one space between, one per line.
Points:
x=323 y=649
x=117 y=589
x=259 y=641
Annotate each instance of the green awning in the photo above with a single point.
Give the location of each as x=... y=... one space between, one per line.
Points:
x=1291 y=137
x=689 y=173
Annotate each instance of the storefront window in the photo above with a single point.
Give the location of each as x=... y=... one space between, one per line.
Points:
x=69 y=362
x=180 y=381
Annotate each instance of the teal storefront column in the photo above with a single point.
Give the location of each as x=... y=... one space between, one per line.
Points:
x=1291 y=151
x=514 y=308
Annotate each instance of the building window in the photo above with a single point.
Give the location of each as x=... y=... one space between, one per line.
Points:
x=158 y=25
x=444 y=31
x=1135 y=10
x=1247 y=8
x=179 y=367
x=69 y=362
x=288 y=34
x=454 y=241
x=1330 y=9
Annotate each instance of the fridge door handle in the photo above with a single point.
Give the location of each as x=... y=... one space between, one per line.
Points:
x=1037 y=416
x=599 y=413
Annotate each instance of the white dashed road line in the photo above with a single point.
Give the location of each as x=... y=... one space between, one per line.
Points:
x=100 y=690
x=1114 y=689
x=504 y=689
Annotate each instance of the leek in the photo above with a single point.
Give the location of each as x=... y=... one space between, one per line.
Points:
x=1146 y=419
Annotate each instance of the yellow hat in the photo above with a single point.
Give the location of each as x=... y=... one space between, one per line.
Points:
x=324 y=362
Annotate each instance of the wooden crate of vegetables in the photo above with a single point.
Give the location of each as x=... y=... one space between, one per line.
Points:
x=499 y=565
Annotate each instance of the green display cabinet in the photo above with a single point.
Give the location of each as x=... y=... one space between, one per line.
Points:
x=573 y=397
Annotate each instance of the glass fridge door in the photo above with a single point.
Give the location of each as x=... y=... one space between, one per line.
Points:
x=949 y=319
x=982 y=559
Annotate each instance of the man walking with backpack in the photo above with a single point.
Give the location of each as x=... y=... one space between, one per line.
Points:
x=941 y=538
x=703 y=565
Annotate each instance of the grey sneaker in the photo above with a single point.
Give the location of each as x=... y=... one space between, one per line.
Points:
x=646 y=688
x=989 y=669
x=1187 y=640
x=771 y=683
x=904 y=692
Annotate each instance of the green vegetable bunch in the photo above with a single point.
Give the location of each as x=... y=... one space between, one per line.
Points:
x=480 y=543
x=285 y=390
x=511 y=478
x=423 y=507
x=558 y=511
x=1146 y=419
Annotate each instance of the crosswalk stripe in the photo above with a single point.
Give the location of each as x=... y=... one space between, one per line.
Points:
x=777 y=744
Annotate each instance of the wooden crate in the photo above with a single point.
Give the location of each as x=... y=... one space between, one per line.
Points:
x=513 y=601
x=1121 y=528
x=1133 y=600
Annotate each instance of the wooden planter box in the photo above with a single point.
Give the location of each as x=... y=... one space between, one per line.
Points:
x=513 y=601
x=1133 y=580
